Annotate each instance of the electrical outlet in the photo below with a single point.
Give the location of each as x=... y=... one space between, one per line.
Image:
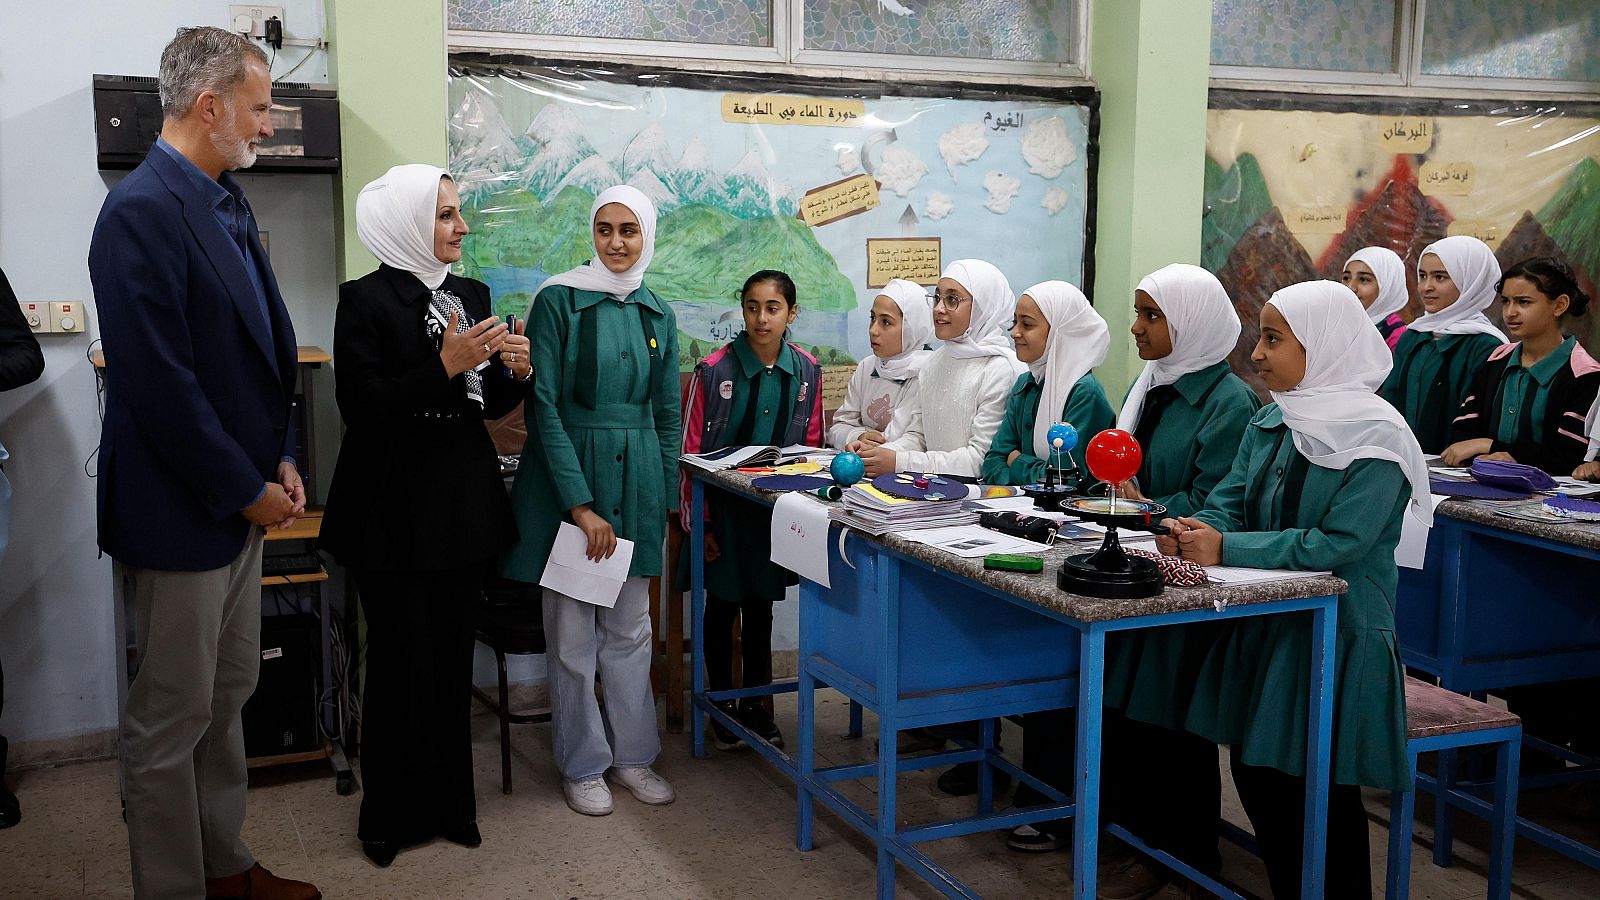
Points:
x=37 y=315
x=66 y=317
x=251 y=20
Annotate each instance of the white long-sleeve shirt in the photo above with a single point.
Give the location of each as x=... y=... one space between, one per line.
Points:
x=872 y=403
x=959 y=408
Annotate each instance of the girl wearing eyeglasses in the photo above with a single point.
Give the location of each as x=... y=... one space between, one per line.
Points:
x=965 y=382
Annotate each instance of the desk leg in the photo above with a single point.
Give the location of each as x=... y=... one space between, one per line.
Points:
x=697 y=615
x=672 y=618
x=888 y=717
x=1507 y=762
x=855 y=720
x=807 y=686
x=986 y=729
x=1319 y=743
x=1086 y=777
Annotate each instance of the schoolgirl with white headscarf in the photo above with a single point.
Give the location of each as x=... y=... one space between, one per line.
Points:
x=1436 y=357
x=882 y=389
x=1389 y=271
x=1058 y=386
x=1324 y=479
x=963 y=386
x=601 y=455
x=414 y=398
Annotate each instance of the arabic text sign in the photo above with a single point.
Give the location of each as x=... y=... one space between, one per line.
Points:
x=914 y=259
x=782 y=109
x=1406 y=134
x=1451 y=179
x=1488 y=232
x=839 y=200
x=1316 y=219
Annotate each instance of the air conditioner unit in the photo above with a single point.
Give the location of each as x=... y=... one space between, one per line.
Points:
x=305 y=122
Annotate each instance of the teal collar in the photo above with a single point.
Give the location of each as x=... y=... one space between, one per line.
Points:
x=752 y=366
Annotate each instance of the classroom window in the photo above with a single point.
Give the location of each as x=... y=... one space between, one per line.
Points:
x=737 y=23
x=1015 y=30
x=1544 y=39
x=1305 y=34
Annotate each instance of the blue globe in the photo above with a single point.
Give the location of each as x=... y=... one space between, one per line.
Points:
x=847 y=469
x=1062 y=437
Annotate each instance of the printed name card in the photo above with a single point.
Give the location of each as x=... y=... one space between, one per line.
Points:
x=1316 y=219
x=914 y=259
x=839 y=200
x=781 y=109
x=1488 y=232
x=1406 y=134
x=800 y=536
x=835 y=385
x=1449 y=179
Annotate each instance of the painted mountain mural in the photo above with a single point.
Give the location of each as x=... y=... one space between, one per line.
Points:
x=1394 y=214
x=1564 y=229
x=1234 y=201
x=1266 y=257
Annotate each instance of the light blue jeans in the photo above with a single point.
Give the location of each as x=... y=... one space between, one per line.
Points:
x=584 y=640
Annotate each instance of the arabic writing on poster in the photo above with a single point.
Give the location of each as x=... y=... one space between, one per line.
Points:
x=835 y=385
x=1003 y=123
x=1316 y=219
x=1451 y=179
x=781 y=109
x=1406 y=134
x=839 y=200
x=914 y=259
x=1488 y=232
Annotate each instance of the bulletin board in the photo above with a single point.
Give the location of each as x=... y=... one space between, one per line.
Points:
x=1294 y=184
x=841 y=184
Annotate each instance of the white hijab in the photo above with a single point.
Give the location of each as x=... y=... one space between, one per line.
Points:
x=593 y=275
x=993 y=306
x=1335 y=414
x=1077 y=342
x=1201 y=321
x=394 y=219
x=916 y=330
x=1474 y=269
x=1390 y=271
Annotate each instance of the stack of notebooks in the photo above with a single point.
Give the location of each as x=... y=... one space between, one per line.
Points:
x=868 y=509
x=747 y=457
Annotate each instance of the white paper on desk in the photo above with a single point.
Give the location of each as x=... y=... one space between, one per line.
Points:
x=800 y=536
x=970 y=541
x=571 y=572
x=1413 y=546
x=1241 y=575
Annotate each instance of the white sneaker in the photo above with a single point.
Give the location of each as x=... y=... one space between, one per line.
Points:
x=589 y=796
x=646 y=785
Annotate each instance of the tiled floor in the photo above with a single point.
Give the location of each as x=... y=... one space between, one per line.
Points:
x=729 y=835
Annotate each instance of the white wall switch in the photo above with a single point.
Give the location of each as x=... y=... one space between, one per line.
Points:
x=250 y=20
x=66 y=316
x=37 y=315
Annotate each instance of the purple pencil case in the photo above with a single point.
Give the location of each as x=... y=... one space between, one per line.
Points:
x=1511 y=475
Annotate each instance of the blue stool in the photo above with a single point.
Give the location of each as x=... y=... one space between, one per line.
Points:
x=1441 y=720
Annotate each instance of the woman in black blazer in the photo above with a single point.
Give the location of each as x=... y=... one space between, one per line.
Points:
x=417 y=510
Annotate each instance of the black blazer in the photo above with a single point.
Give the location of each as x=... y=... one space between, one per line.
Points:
x=417 y=487
x=198 y=384
x=1557 y=444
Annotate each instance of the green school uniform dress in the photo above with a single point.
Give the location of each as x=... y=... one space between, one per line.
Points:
x=603 y=424
x=1430 y=379
x=744 y=527
x=1087 y=409
x=1277 y=510
x=1190 y=431
x=1525 y=391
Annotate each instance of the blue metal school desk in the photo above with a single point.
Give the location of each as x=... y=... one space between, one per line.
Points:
x=1502 y=602
x=924 y=638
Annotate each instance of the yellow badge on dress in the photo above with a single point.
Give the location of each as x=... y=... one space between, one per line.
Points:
x=652 y=343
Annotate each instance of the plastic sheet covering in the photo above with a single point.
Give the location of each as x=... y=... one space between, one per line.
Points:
x=809 y=177
x=1295 y=184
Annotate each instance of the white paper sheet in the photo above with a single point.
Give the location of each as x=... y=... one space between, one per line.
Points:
x=571 y=572
x=1238 y=575
x=1413 y=546
x=971 y=541
x=800 y=536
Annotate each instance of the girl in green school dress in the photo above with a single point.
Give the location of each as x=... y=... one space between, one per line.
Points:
x=1321 y=481
x=1060 y=337
x=1439 y=352
x=1189 y=413
x=758 y=390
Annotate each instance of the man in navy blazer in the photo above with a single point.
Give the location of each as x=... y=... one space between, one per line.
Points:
x=194 y=462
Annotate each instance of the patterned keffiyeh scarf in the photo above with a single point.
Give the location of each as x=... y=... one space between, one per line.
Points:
x=439 y=309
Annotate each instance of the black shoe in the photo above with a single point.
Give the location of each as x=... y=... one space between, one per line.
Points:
x=466 y=835
x=10 y=809
x=754 y=716
x=721 y=737
x=1040 y=838
x=961 y=780
x=382 y=853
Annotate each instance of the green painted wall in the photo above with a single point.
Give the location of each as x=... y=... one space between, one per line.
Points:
x=1151 y=60
x=388 y=60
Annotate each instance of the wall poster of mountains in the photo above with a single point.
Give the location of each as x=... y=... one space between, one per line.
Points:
x=1002 y=179
x=1294 y=185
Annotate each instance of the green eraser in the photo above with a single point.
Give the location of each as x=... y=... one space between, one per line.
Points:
x=1007 y=562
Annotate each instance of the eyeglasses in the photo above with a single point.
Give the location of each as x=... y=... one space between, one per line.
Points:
x=946 y=301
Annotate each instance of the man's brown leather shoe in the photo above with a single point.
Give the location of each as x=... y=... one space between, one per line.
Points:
x=257 y=883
